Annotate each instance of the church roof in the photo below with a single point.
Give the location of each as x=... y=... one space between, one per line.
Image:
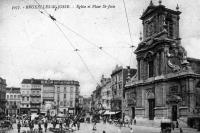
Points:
x=152 y=8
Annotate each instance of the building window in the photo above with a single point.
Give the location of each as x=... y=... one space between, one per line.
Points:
x=7 y=96
x=71 y=89
x=71 y=103
x=27 y=98
x=150 y=69
x=169 y=23
x=14 y=96
x=64 y=95
x=64 y=89
x=11 y=96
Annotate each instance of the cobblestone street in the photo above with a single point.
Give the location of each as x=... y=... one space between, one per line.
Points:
x=87 y=128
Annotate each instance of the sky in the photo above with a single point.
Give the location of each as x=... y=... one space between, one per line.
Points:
x=32 y=46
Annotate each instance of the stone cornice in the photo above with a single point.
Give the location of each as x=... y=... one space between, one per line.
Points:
x=162 y=78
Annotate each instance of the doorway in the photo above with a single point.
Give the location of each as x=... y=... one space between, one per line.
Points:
x=151 y=109
x=133 y=112
x=174 y=113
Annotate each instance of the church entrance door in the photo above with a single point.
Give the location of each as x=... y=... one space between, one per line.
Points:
x=151 y=109
x=174 y=112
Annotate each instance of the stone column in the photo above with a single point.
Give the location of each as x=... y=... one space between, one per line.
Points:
x=191 y=96
x=139 y=69
x=162 y=62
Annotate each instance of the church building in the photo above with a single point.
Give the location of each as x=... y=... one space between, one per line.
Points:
x=167 y=83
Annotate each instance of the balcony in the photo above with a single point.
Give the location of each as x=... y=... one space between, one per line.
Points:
x=35 y=95
x=25 y=101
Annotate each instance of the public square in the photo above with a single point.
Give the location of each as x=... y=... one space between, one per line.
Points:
x=108 y=128
x=100 y=66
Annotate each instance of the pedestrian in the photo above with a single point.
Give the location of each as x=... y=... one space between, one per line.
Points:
x=131 y=130
x=30 y=125
x=78 y=125
x=94 y=126
x=60 y=123
x=131 y=121
x=134 y=121
x=39 y=126
x=181 y=130
x=45 y=124
x=173 y=126
x=19 y=127
x=177 y=124
x=104 y=131
x=54 y=124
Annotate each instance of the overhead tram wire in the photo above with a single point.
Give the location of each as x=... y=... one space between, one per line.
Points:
x=98 y=47
x=76 y=50
x=91 y=43
x=71 y=44
x=129 y=30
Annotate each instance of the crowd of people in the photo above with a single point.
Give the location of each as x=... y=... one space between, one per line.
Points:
x=65 y=123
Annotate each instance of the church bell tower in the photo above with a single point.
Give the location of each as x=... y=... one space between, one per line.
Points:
x=160 y=51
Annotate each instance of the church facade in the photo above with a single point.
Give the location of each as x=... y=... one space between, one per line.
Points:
x=167 y=83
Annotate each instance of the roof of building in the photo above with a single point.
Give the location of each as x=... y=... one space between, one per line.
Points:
x=152 y=8
x=50 y=82
x=2 y=81
x=12 y=90
x=31 y=81
x=117 y=69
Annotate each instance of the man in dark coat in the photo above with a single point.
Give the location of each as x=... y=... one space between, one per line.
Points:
x=19 y=126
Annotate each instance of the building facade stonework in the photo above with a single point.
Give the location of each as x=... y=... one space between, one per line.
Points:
x=2 y=97
x=62 y=95
x=119 y=77
x=166 y=85
x=13 y=98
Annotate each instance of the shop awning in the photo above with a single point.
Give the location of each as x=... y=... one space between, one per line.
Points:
x=101 y=111
x=110 y=112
